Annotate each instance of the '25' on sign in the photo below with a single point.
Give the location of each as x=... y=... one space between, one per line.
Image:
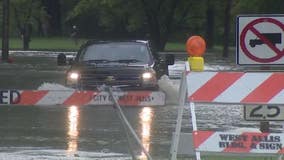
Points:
x=264 y=112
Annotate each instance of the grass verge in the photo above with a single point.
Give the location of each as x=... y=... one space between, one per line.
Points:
x=54 y=43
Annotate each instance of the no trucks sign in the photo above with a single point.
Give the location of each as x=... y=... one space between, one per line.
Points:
x=260 y=40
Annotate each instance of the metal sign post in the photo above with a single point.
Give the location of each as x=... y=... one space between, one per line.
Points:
x=182 y=95
x=194 y=125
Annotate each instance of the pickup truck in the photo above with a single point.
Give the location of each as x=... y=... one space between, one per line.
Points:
x=128 y=65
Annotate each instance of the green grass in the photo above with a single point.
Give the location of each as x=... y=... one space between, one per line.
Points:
x=65 y=43
x=175 y=46
x=47 y=44
x=68 y=44
x=55 y=44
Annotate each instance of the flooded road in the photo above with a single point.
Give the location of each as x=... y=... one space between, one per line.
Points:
x=94 y=132
x=34 y=132
x=89 y=129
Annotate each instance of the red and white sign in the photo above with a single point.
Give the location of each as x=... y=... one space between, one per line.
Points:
x=236 y=87
x=246 y=142
x=260 y=39
x=79 y=98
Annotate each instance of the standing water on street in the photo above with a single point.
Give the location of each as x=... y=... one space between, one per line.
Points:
x=94 y=132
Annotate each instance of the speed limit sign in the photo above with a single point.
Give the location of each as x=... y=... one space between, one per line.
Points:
x=264 y=112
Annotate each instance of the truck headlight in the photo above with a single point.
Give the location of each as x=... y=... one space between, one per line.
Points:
x=147 y=75
x=149 y=78
x=72 y=77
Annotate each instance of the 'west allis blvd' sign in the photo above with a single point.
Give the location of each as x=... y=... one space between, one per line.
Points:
x=247 y=142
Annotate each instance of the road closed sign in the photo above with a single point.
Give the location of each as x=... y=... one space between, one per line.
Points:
x=260 y=40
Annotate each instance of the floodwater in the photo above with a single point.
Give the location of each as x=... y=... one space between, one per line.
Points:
x=92 y=132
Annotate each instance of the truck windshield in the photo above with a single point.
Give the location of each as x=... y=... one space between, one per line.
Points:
x=115 y=52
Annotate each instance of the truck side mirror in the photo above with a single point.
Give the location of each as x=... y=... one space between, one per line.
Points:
x=170 y=59
x=61 y=59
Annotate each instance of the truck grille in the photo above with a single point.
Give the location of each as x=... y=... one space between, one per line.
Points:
x=92 y=78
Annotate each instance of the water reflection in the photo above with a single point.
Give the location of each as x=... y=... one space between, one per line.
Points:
x=73 y=132
x=146 y=116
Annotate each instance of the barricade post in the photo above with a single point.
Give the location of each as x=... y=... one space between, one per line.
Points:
x=195 y=47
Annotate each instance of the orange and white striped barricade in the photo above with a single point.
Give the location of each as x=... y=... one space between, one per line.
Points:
x=80 y=98
x=245 y=88
x=236 y=87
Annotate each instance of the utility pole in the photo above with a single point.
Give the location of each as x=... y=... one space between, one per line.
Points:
x=5 y=31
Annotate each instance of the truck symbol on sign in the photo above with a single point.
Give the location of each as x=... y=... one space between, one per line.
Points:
x=274 y=38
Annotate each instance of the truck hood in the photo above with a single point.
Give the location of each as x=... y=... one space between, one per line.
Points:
x=107 y=66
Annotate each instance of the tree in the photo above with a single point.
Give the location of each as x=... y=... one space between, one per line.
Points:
x=5 y=31
x=156 y=18
x=25 y=12
x=85 y=15
x=259 y=7
x=53 y=10
x=210 y=23
x=227 y=27
x=160 y=19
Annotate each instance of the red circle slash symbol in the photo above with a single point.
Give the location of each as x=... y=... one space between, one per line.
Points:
x=265 y=40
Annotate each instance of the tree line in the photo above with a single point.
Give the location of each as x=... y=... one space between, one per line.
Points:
x=158 y=20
